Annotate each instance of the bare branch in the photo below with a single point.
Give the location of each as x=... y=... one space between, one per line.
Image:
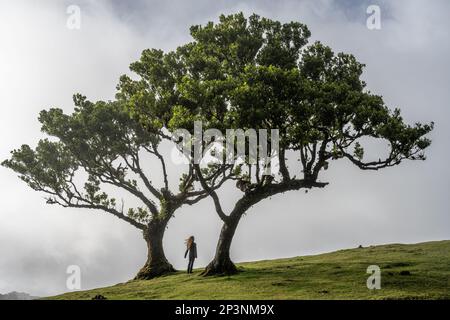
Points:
x=85 y=203
x=211 y=192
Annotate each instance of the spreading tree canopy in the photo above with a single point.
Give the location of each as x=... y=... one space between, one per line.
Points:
x=239 y=73
x=99 y=147
x=258 y=73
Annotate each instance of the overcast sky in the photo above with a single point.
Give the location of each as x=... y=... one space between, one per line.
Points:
x=42 y=63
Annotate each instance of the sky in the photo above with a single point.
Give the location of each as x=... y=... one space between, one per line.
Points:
x=43 y=63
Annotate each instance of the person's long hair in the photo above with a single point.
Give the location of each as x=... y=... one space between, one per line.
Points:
x=189 y=241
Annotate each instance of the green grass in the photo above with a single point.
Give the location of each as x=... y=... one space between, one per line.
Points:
x=336 y=275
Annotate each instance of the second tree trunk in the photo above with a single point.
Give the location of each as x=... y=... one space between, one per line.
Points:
x=222 y=264
x=157 y=263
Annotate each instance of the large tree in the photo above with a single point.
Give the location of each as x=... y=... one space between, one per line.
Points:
x=256 y=73
x=240 y=73
x=99 y=148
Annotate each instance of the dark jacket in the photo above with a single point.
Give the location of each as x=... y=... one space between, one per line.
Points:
x=192 y=251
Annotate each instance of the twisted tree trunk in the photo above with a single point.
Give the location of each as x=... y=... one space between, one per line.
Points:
x=222 y=264
x=157 y=263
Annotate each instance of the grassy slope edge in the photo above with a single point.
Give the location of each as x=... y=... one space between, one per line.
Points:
x=336 y=275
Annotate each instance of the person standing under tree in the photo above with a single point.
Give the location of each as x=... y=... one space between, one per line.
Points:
x=191 y=247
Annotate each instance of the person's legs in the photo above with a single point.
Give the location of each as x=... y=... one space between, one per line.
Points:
x=190 y=265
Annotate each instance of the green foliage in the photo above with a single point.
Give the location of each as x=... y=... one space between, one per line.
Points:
x=185 y=184
x=139 y=214
x=48 y=166
x=98 y=140
x=359 y=151
x=239 y=73
x=151 y=98
x=258 y=73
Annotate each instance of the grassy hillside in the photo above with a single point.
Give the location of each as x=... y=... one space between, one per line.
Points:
x=336 y=275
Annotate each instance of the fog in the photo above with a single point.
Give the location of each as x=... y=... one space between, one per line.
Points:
x=43 y=63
